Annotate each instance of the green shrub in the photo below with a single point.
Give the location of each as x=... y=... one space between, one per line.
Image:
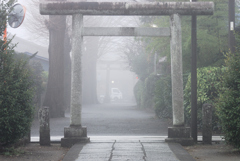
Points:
x=228 y=104
x=16 y=95
x=208 y=85
x=163 y=97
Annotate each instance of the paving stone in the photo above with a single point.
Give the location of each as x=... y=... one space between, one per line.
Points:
x=127 y=150
x=98 y=145
x=160 y=159
x=97 y=148
x=127 y=160
x=128 y=153
x=96 y=157
x=123 y=157
x=96 y=151
x=137 y=151
x=128 y=147
x=160 y=140
x=160 y=147
x=99 y=159
x=156 y=149
x=164 y=156
x=155 y=144
x=127 y=144
x=128 y=141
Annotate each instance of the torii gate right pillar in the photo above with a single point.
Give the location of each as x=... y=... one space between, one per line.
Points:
x=178 y=133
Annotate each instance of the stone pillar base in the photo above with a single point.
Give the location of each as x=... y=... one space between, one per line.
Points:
x=179 y=135
x=74 y=134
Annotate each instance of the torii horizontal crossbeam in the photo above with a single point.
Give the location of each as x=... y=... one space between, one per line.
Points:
x=125 y=31
x=71 y=7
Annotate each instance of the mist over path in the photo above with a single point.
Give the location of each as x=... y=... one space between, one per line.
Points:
x=116 y=119
x=121 y=119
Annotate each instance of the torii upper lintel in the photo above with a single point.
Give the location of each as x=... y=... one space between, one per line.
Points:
x=125 y=8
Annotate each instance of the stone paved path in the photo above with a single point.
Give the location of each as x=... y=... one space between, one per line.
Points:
x=127 y=151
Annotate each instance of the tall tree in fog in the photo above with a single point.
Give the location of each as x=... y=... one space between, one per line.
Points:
x=57 y=96
x=55 y=90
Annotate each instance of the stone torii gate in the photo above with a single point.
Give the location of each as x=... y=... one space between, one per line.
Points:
x=76 y=132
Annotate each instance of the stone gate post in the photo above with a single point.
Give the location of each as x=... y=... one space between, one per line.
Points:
x=76 y=132
x=176 y=70
x=177 y=133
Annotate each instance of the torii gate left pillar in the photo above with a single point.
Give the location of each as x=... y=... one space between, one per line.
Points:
x=76 y=132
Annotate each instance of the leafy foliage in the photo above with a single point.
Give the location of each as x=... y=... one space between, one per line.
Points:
x=211 y=36
x=228 y=104
x=163 y=97
x=16 y=94
x=11 y=151
x=208 y=85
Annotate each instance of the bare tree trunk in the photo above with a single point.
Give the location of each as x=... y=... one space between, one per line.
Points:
x=54 y=98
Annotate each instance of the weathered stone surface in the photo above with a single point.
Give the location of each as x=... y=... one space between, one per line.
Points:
x=68 y=142
x=75 y=131
x=76 y=89
x=178 y=132
x=179 y=135
x=169 y=156
x=96 y=151
x=161 y=149
x=182 y=141
x=176 y=70
x=127 y=157
x=126 y=8
x=95 y=157
x=207 y=123
x=73 y=135
x=44 y=128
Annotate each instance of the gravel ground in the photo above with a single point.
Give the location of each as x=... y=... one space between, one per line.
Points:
x=214 y=152
x=35 y=152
